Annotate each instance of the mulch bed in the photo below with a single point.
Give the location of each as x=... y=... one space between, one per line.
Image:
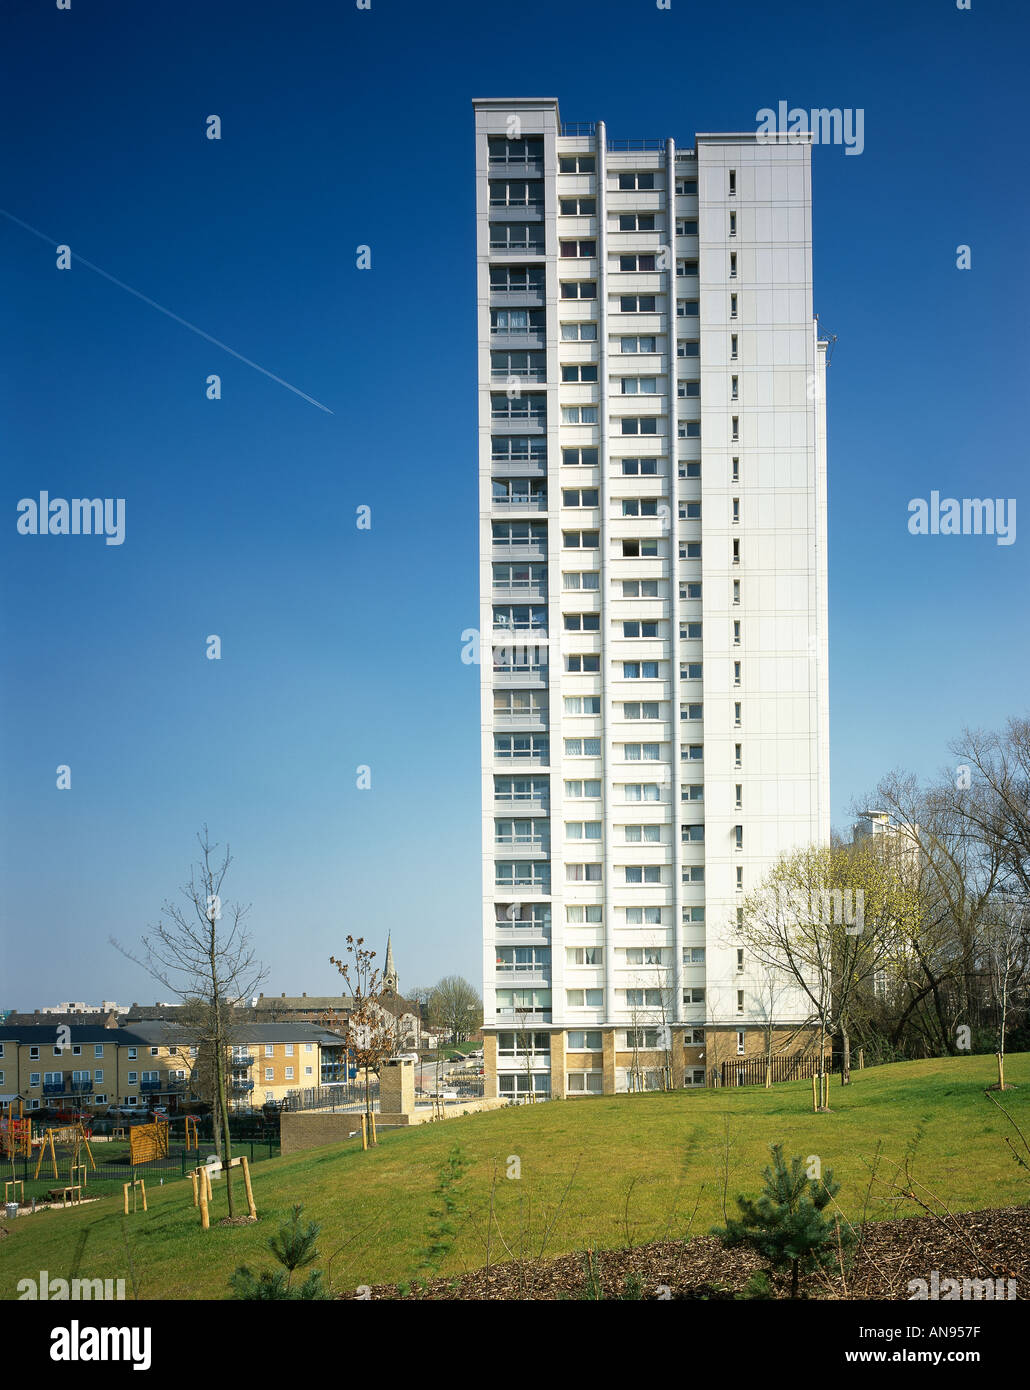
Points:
x=973 y=1245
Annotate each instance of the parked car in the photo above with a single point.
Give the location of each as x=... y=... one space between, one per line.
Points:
x=444 y=1095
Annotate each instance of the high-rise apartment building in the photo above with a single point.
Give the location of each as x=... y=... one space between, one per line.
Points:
x=653 y=591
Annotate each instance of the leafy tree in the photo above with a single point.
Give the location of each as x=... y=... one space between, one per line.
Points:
x=785 y=1225
x=455 y=1006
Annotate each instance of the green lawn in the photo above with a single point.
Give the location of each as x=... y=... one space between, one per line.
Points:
x=592 y=1170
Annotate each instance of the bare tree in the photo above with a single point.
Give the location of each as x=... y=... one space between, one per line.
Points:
x=202 y=954
x=1006 y=944
x=369 y=1030
x=455 y=1006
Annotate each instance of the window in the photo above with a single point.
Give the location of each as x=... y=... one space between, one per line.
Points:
x=579 y=373
x=637 y=303
x=643 y=916
x=639 y=385
x=740 y=959
x=642 y=791
x=690 y=511
x=643 y=834
x=579 y=497
x=738 y=837
x=640 y=670
x=736 y=591
x=503 y=150
x=269 y=1049
x=686 y=188
x=736 y=674
x=735 y=504
x=692 y=834
x=582 y=747
x=693 y=996
x=738 y=749
x=582 y=704
x=584 y=998
x=640 y=588
x=685 y=268
x=518 y=448
x=516 y=279
x=687 y=308
x=517 y=320
x=581 y=579
x=584 y=955
x=643 y=873
x=579 y=333
x=733 y=265
x=734 y=350
x=643 y=1037
x=583 y=873
x=509 y=874
x=34 y=1078
x=577 y=249
x=734 y=388
x=737 y=705
x=576 y=164
x=98 y=1076
x=738 y=793
x=688 y=389
x=518 y=576
x=641 y=752
x=644 y=468
x=688 y=347
x=583 y=830
x=510 y=193
x=269 y=1073
x=637 y=222
x=691 y=631
x=580 y=1041
x=638 y=344
x=690 y=590
x=692 y=791
x=640 y=506
x=736 y=552
x=583 y=458
x=691 y=670
x=580 y=540
x=639 y=998
x=521 y=746
x=733 y=224
x=585 y=663
x=516 y=617
x=686 y=226
x=519 y=832
x=646 y=709
x=582 y=622
x=579 y=913
x=733 y=306
x=637 y=628
x=579 y=789
x=733 y=183
x=530 y=365
x=695 y=873
x=692 y=712
x=579 y=414
x=579 y=289
x=518 y=407
x=735 y=471
x=521 y=789
x=636 y=181
x=639 y=424
x=693 y=752
x=637 y=262
x=577 y=207
x=524 y=238
x=693 y=955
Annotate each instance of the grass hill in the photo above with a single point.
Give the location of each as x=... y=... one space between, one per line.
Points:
x=603 y=1172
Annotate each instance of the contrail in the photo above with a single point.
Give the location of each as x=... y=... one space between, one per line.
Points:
x=168 y=314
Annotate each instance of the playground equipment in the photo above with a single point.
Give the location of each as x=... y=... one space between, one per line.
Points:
x=15 y=1135
x=15 y=1183
x=192 y=1141
x=71 y=1134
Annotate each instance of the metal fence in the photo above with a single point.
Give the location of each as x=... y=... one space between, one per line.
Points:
x=750 y=1071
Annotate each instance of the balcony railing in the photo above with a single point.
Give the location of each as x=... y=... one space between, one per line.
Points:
x=146 y=1086
x=240 y=1087
x=53 y=1088
x=241 y=1059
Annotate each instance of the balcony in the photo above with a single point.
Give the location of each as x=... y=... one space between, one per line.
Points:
x=150 y=1086
x=238 y=1087
x=520 y=502
x=241 y=1059
x=53 y=1088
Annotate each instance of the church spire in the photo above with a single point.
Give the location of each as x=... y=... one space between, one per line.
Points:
x=389 y=970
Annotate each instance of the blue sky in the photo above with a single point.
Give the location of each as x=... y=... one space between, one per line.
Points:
x=343 y=127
